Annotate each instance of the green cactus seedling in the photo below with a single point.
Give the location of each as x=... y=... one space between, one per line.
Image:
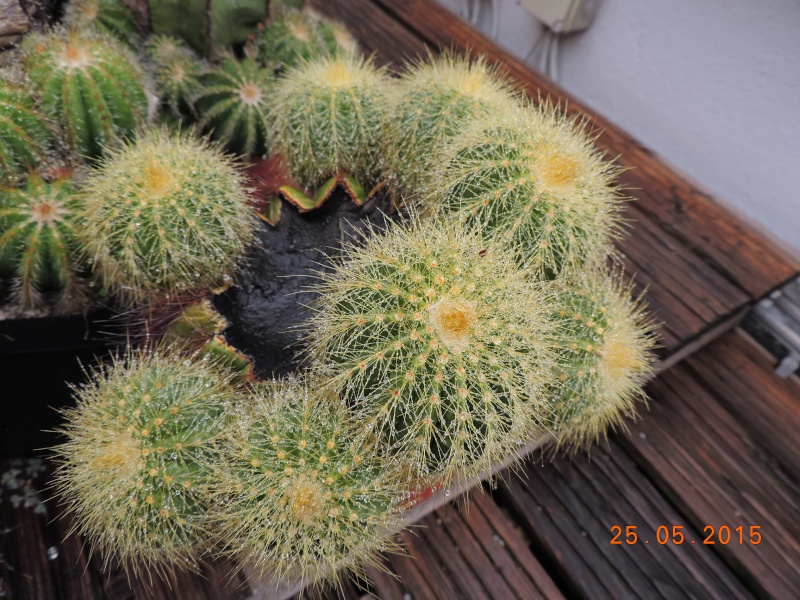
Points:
x=604 y=357
x=166 y=214
x=535 y=179
x=439 y=345
x=233 y=101
x=177 y=71
x=297 y=496
x=112 y=17
x=38 y=245
x=24 y=135
x=133 y=469
x=90 y=83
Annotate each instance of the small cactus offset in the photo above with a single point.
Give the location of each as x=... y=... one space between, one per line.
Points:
x=438 y=344
x=327 y=118
x=166 y=214
x=604 y=357
x=177 y=71
x=90 y=83
x=133 y=466
x=434 y=101
x=24 y=135
x=38 y=245
x=533 y=178
x=112 y=17
x=294 y=36
x=233 y=102
x=297 y=497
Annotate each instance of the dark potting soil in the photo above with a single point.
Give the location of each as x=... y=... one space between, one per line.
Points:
x=269 y=306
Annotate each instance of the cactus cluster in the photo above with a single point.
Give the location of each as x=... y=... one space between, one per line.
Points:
x=112 y=17
x=177 y=72
x=24 y=134
x=134 y=466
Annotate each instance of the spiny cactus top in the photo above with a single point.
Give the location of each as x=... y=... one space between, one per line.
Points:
x=90 y=83
x=106 y=16
x=295 y=36
x=438 y=343
x=38 y=246
x=535 y=179
x=327 y=117
x=297 y=496
x=24 y=136
x=604 y=357
x=434 y=101
x=133 y=466
x=176 y=70
x=233 y=101
x=165 y=214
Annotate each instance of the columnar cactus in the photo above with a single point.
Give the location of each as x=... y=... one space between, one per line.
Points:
x=112 y=17
x=38 y=246
x=439 y=345
x=297 y=496
x=233 y=101
x=91 y=84
x=24 y=135
x=603 y=357
x=134 y=466
x=534 y=178
x=163 y=215
x=327 y=117
x=177 y=71
x=434 y=101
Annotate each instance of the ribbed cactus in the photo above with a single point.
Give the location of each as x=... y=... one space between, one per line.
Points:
x=233 y=101
x=112 y=17
x=434 y=101
x=89 y=83
x=439 y=345
x=24 y=135
x=134 y=466
x=38 y=246
x=297 y=496
x=327 y=117
x=165 y=214
x=604 y=357
x=294 y=36
x=532 y=177
x=177 y=71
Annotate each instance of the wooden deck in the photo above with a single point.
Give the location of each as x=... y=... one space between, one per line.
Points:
x=718 y=446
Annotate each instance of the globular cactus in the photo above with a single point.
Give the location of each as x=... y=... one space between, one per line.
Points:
x=233 y=103
x=438 y=344
x=603 y=357
x=535 y=179
x=134 y=466
x=24 y=134
x=297 y=498
x=38 y=246
x=112 y=17
x=327 y=116
x=434 y=101
x=165 y=214
x=90 y=83
x=294 y=36
x=177 y=71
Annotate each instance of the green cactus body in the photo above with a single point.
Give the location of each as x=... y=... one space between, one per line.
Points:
x=433 y=102
x=297 y=496
x=91 y=84
x=24 y=136
x=177 y=71
x=533 y=178
x=167 y=214
x=38 y=245
x=232 y=103
x=327 y=117
x=294 y=37
x=604 y=357
x=111 y=17
x=438 y=343
x=133 y=466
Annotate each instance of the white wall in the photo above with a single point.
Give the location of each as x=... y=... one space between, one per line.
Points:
x=713 y=86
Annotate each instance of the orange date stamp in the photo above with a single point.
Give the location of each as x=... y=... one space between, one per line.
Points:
x=674 y=534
